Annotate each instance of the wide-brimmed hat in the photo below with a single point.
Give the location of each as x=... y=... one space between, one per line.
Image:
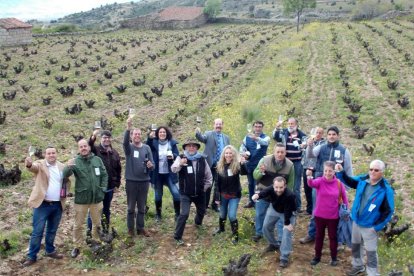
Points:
x=191 y=141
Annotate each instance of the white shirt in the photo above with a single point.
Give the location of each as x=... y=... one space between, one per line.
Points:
x=162 y=156
x=55 y=183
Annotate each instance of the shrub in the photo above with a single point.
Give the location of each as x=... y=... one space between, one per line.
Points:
x=368 y=9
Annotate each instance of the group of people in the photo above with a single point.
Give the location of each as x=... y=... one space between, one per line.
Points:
x=274 y=187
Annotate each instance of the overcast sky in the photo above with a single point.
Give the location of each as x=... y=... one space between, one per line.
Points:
x=49 y=9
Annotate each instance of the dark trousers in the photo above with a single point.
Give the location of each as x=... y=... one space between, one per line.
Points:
x=137 y=193
x=216 y=196
x=106 y=210
x=186 y=201
x=308 y=193
x=332 y=225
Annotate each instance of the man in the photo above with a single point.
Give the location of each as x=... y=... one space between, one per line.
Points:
x=112 y=161
x=47 y=203
x=91 y=180
x=268 y=168
x=282 y=208
x=139 y=162
x=194 y=179
x=292 y=138
x=254 y=147
x=214 y=141
x=372 y=209
x=332 y=150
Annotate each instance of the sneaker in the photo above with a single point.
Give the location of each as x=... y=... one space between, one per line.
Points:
x=283 y=263
x=179 y=242
x=355 y=270
x=75 y=252
x=54 y=255
x=270 y=248
x=256 y=238
x=315 y=261
x=28 y=262
x=249 y=205
x=334 y=262
x=307 y=239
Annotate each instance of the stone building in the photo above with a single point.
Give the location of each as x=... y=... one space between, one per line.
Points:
x=169 y=18
x=14 y=32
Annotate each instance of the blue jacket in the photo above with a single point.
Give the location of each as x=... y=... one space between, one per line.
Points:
x=382 y=199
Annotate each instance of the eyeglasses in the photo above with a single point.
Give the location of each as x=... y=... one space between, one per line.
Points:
x=375 y=170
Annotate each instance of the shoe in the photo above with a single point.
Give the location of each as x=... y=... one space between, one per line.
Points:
x=249 y=205
x=283 y=263
x=75 y=252
x=270 y=248
x=256 y=238
x=299 y=211
x=28 y=262
x=307 y=239
x=215 y=208
x=334 y=262
x=143 y=232
x=179 y=242
x=54 y=255
x=315 y=261
x=158 y=218
x=355 y=270
x=131 y=233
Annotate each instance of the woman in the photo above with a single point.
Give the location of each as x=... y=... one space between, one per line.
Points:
x=228 y=184
x=330 y=193
x=164 y=151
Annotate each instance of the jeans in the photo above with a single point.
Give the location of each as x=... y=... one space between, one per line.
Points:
x=106 y=210
x=186 y=201
x=229 y=206
x=137 y=193
x=252 y=185
x=261 y=208
x=273 y=218
x=298 y=183
x=312 y=226
x=159 y=187
x=49 y=215
x=370 y=240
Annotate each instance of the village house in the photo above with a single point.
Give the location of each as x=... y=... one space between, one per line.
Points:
x=169 y=18
x=14 y=32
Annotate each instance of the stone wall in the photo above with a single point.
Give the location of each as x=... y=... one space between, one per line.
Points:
x=152 y=22
x=13 y=37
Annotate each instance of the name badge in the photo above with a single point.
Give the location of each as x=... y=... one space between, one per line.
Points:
x=371 y=207
x=295 y=143
x=136 y=154
x=258 y=146
x=97 y=171
x=229 y=172
x=337 y=154
x=189 y=169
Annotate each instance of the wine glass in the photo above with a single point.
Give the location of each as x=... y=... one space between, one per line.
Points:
x=153 y=127
x=198 y=119
x=73 y=152
x=97 y=125
x=313 y=133
x=339 y=160
x=280 y=119
x=249 y=128
x=32 y=150
x=131 y=112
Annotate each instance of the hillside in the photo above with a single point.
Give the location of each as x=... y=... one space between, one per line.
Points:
x=329 y=73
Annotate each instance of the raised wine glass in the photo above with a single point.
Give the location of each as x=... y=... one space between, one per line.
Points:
x=131 y=113
x=32 y=151
x=198 y=119
x=249 y=128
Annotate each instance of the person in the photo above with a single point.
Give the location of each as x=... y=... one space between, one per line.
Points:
x=194 y=178
x=47 y=203
x=283 y=209
x=229 y=188
x=164 y=151
x=253 y=148
x=215 y=141
x=112 y=162
x=310 y=163
x=139 y=162
x=332 y=150
x=91 y=181
x=292 y=137
x=269 y=167
x=330 y=194
x=372 y=209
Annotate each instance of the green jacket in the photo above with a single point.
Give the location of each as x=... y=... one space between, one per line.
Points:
x=287 y=170
x=91 y=179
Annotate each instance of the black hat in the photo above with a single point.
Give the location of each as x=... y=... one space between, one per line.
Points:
x=333 y=128
x=191 y=141
x=106 y=133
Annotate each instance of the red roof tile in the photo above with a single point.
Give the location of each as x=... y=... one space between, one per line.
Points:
x=180 y=13
x=13 y=23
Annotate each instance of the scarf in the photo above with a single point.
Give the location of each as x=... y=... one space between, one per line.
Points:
x=193 y=157
x=162 y=142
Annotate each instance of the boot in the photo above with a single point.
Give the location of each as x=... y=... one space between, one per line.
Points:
x=221 y=227
x=177 y=209
x=158 y=207
x=235 y=231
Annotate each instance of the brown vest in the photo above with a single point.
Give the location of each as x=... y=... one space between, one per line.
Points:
x=272 y=171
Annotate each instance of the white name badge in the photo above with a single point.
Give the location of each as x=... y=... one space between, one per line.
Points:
x=189 y=169
x=229 y=172
x=136 y=154
x=97 y=171
x=337 y=154
x=295 y=143
x=371 y=207
x=258 y=146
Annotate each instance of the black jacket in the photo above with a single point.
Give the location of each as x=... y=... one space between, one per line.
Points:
x=285 y=203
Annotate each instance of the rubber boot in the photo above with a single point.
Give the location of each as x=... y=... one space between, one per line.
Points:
x=221 y=227
x=235 y=231
x=176 y=209
x=158 y=207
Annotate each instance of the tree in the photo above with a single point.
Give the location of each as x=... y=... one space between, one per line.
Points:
x=297 y=6
x=212 y=8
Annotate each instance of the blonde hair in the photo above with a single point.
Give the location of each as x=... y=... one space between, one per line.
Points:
x=234 y=166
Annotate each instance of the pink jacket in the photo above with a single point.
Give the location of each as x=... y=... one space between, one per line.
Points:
x=327 y=197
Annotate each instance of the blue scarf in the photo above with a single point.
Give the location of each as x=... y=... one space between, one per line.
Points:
x=193 y=157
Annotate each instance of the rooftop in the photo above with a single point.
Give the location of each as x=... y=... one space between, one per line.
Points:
x=13 y=23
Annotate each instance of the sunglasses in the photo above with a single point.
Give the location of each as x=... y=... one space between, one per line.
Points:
x=375 y=170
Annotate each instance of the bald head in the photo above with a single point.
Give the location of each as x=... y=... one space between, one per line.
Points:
x=83 y=147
